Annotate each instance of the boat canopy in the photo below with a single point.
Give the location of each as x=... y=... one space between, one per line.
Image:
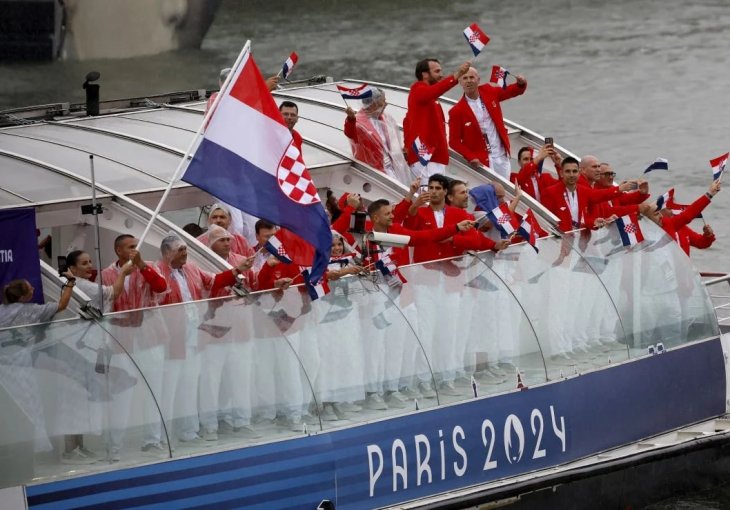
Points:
x=582 y=303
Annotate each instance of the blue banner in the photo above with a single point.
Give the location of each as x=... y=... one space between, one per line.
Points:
x=19 y=249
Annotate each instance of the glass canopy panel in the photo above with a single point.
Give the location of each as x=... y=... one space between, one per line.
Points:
x=655 y=287
x=8 y=199
x=23 y=178
x=73 y=402
x=174 y=118
x=321 y=133
x=156 y=162
x=470 y=324
x=177 y=139
x=108 y=172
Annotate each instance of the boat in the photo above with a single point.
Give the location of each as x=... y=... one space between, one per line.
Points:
x=612 y=358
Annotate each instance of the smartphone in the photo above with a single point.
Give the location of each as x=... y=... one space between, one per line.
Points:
x=549 y=140
x=62 y=267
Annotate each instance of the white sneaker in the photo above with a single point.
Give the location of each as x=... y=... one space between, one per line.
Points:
x=375 y=402
x=210 y=435
x=410 y=393
x=76 y=457
x=247 y=432
x=395 y=400
x=328 y=413
x=426 y=390
x=155 y=450
x=349 y=407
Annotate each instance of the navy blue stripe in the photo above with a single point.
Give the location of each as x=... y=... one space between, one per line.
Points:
x=159 y=474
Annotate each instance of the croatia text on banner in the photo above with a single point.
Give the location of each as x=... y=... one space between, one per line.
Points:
x=528 y=229
x=665 y=200
x=718 y=165
x=289 y=64
x=423 y=152
x=360 y=92
x=19 y=257
x=247 y=158
x=503 y=219
x=629 y=230
x=499 y=76
x=658 y=164
x=476 y=37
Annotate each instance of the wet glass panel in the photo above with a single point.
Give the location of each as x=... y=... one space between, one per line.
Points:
x=72 y=402
x=23 y=178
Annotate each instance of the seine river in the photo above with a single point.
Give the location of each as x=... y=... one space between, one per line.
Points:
x=627 y=80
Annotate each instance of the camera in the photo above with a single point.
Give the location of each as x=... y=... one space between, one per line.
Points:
x=385 y=239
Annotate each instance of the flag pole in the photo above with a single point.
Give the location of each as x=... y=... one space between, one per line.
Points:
x=184 y=159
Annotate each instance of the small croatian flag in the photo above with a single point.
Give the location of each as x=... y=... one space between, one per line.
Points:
x=629 y=230
x=423 y=152
x=528 y=229
x=318 y=290
x=288 y=67
x=499 y=76
x=658 y=164
x=718 y=165
x=664 y=200
x=503 y=219
x=274 y=246
x=476 y=38
x=360 y=92
x=387 y=266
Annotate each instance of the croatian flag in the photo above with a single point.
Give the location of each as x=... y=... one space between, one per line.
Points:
x=499 y=76
x=629 y=230
x=247 y=158
x=504 y=220
x=718 y=165
x=528 y=229
x=476 y=38
x=658 y=164
x=276 y=248
x=389 y=269
x=422 y=151
x=360 y=92
x=665 y=200
x=288 y=67
x=315 y=290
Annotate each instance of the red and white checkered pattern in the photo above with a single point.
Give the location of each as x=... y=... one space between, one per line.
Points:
x=504 y=219
x=294 y=179
x=630 y=228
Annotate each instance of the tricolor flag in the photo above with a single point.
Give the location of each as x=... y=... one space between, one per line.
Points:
x=315 y=290
x=502 y=218
x=276 y=248
x=289 y=64
x=718 y=165
x=476 y=38
x=629 y=230
x=499 y=76
x=665 y=200
x=262 y=173
x=528 y=229
x=360 y=92
x=423 y=152
x=658 y=164
x=389 y=269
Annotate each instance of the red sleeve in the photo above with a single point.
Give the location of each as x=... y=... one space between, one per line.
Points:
x=400 y=212
x=510 y=91
x=156 y=282
x=690 y=213
x=595 y=196
x=342 y=224
x=635 y=197
x=222 y=280
x=351 y=128
x=527 y=171
x=472 y=240
x=422 y=93
x=700 y=240
x=434 y=235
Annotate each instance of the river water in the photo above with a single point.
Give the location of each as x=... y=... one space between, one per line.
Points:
x=627 y=80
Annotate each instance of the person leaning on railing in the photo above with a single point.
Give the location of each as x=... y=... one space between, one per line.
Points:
x=18 y=310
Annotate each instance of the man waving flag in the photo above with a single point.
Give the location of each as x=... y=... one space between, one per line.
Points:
x=247 y=158
x=718 y=165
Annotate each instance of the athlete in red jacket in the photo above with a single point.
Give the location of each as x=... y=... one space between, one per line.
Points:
x=476 y=124
x=530 y=178
x=425 y=118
